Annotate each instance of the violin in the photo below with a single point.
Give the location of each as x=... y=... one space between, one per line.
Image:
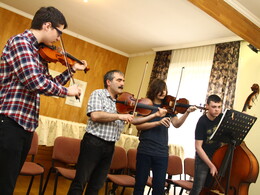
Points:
x=54 y=54
x=179 y=106
x=126 y=102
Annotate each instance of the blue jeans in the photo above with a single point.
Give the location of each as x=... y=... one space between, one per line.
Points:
x=145 y=163
x=200 y=176
x=93 y=165
x=15 y=143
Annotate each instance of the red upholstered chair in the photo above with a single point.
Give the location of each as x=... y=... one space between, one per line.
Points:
x=118 y=169
x=174 y=169
x=31 y=168
x=131 y=161
x=65 y=150
x=187 y=182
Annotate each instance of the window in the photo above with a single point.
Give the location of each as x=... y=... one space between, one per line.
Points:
x=197 y=63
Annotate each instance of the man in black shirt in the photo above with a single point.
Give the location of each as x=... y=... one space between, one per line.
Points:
x=205 y=147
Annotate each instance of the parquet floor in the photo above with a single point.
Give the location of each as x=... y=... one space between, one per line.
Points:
x=63 y=187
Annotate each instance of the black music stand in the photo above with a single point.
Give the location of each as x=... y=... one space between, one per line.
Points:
x=232 y=129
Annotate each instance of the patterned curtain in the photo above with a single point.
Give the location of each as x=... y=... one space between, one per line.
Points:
x=224 y=72
x=161 y=65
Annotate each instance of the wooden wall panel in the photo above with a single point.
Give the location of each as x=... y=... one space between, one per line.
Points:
x=99 y=60
x=11 y=24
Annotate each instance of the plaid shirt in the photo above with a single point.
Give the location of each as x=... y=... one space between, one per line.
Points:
x=23 y=77
x=100 y=100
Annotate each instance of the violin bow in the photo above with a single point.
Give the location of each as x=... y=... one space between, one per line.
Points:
x=178 y=89
x=140 y=87
x=219 y=185
x=67 y=65
x=138 y=94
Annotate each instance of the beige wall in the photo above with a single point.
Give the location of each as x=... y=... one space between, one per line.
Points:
x=248 y=73
x=133 y=76
x=134 y=73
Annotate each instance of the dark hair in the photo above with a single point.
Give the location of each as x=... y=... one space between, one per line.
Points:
x=48 y=14
x=157 y=86
x=110 y=76
x=214 y=98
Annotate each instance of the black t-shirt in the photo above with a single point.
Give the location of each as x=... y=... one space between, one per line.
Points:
x=204 y=130
x=154 y=141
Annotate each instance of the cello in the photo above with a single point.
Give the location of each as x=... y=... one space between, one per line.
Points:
x=244 y=167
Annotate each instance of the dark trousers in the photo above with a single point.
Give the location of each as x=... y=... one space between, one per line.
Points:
x=201 y=174
x=145 y=163
x=93 y=165
x=15 y=144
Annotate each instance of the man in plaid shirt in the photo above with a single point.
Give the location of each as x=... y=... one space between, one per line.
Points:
x=23 y=77
x=103 y=130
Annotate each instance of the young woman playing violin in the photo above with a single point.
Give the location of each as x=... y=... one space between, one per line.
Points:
x=23 y=77
x=152 y=152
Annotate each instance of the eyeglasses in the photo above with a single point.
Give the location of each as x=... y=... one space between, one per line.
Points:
x=58 y=31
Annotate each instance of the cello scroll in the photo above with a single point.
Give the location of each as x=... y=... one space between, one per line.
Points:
x=251 y=98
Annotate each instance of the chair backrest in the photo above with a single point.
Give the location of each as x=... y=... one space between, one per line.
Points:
x=34 y=145
x=189 y=164
x=119 y=160
x=66 y=150
x=131 y=159
x=174 y=165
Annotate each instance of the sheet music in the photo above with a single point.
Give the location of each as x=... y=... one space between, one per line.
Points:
x=233 y=126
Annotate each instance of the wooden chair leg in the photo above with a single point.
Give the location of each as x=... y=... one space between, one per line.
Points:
x=149 y=191
x=106 y=187
x=40 y=185
x=123 y=190
x=167 y=190
x=46 y=182
x=30 y=186
x=55 y=184
x=181 y=191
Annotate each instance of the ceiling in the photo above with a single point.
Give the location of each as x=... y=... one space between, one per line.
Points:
x=134 y=27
